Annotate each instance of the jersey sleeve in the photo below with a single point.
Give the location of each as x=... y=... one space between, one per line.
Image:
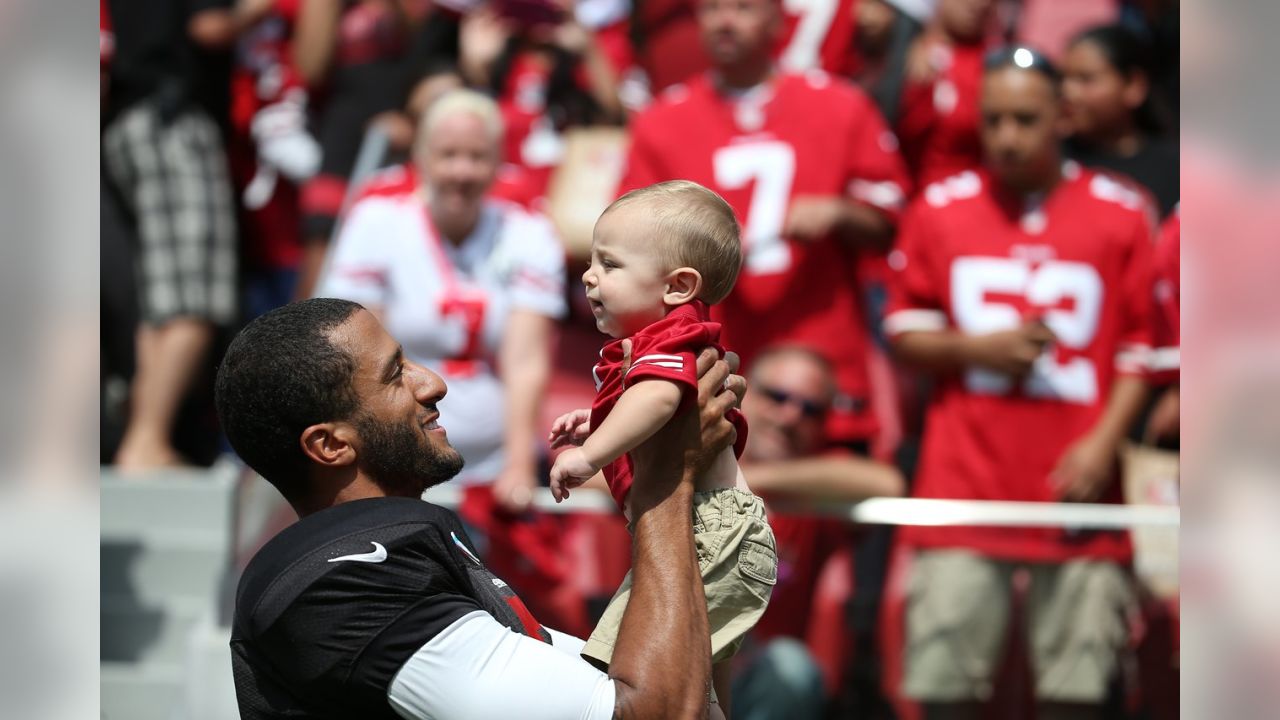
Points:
x=338 y=642
x=537 y=278
x=915 y=300
x=874 y=169
x=476 y=668
x=669 y=356
x=358 y=267
x=1133 y=354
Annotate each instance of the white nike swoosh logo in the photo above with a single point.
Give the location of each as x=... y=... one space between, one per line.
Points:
x=378 y=555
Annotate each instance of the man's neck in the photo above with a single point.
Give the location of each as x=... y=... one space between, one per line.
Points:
x=744 y=76
x=1035 y=189
x=331 y=491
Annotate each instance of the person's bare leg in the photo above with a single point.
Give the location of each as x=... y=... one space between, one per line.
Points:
x=1067 y=711
x=952 y=711
x=722 y=681
x=169 y=358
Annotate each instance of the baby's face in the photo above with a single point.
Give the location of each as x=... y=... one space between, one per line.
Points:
x=626 y=279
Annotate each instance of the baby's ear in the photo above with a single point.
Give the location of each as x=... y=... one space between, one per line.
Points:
x=683 y=285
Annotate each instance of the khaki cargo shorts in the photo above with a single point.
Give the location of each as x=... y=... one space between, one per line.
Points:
x=738 y=559
x=958 y=614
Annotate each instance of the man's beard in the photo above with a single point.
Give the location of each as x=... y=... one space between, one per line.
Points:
x=401 y=460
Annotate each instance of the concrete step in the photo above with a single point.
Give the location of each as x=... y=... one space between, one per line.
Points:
x=158 y=565
x=134 y=632
x=141 y=692
x=189 y=500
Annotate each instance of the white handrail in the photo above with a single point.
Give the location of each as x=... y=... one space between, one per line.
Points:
x=903 y=511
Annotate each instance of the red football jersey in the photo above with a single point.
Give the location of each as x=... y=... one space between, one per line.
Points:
x=800 y=135
x=939 y=122
x=977 y=261
x=817 y=34
x=665 y=350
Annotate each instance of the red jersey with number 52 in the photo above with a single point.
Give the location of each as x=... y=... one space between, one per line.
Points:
x=801 y=135
x=973 y=260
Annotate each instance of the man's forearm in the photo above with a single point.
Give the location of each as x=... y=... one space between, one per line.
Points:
x=662 y=659
x=864 y=227
x=525 y=364
x=934 y=351
x=844 y=479
x=1128 y=395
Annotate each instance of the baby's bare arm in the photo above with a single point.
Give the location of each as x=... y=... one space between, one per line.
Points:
x=643 y=409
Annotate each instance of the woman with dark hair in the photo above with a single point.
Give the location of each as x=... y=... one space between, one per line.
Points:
x=1114 y=120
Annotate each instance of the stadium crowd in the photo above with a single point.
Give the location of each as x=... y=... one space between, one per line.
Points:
x=960 y=280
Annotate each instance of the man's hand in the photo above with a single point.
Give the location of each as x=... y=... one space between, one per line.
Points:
x=1085 y=470
x=1012 y=351
x=572 y=468
x=513 y=489
x=571 y=428
x=812 y=218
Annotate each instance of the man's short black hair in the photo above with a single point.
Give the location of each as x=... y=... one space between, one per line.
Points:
x=280 y=375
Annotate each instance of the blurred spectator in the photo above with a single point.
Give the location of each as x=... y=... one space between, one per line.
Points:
x=938 y=125
x=1026 y=288
x=164 y=153
x=547 y=72
x=665 y=35
x=1113 y=120
x=270 y=151
x=472 y=287
x=787 y=458
x=352 y=55
x=814 y=176
x=882 y=35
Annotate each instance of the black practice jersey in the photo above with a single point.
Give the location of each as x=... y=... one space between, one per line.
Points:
x=332 y=607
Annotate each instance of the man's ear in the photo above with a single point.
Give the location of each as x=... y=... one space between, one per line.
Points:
x=683 y=285
x=329 y=444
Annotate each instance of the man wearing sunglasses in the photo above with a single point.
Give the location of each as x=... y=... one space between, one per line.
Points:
x=1026 y=288
x=788 y=458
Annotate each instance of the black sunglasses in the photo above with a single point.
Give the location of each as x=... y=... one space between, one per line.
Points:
x=808 y=408
x=1020 y=56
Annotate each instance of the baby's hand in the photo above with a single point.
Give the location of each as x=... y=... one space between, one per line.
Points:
x=571 y=470
x=571 y=428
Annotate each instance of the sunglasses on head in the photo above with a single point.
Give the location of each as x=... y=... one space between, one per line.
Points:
x=808 y=408
x=1020 y=56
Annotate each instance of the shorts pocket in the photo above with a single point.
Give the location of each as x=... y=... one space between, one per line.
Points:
x=758 y=561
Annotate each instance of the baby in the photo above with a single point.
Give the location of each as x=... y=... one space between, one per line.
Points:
x=660 y=256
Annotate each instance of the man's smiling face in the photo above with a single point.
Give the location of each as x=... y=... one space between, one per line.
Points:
x=402 y=444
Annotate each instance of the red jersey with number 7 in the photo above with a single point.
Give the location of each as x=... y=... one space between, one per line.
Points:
x=975 y=260
x=797 y=136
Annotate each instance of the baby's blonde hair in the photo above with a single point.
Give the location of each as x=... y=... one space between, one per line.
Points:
x=696 y=228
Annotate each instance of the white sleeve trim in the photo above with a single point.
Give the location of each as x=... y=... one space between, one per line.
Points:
x=477 y=668
x=886 y=194
x=1133 y=358
x=902 y=321
x=1165 y=359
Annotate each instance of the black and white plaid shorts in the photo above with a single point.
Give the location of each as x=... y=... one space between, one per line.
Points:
x=173 y=176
